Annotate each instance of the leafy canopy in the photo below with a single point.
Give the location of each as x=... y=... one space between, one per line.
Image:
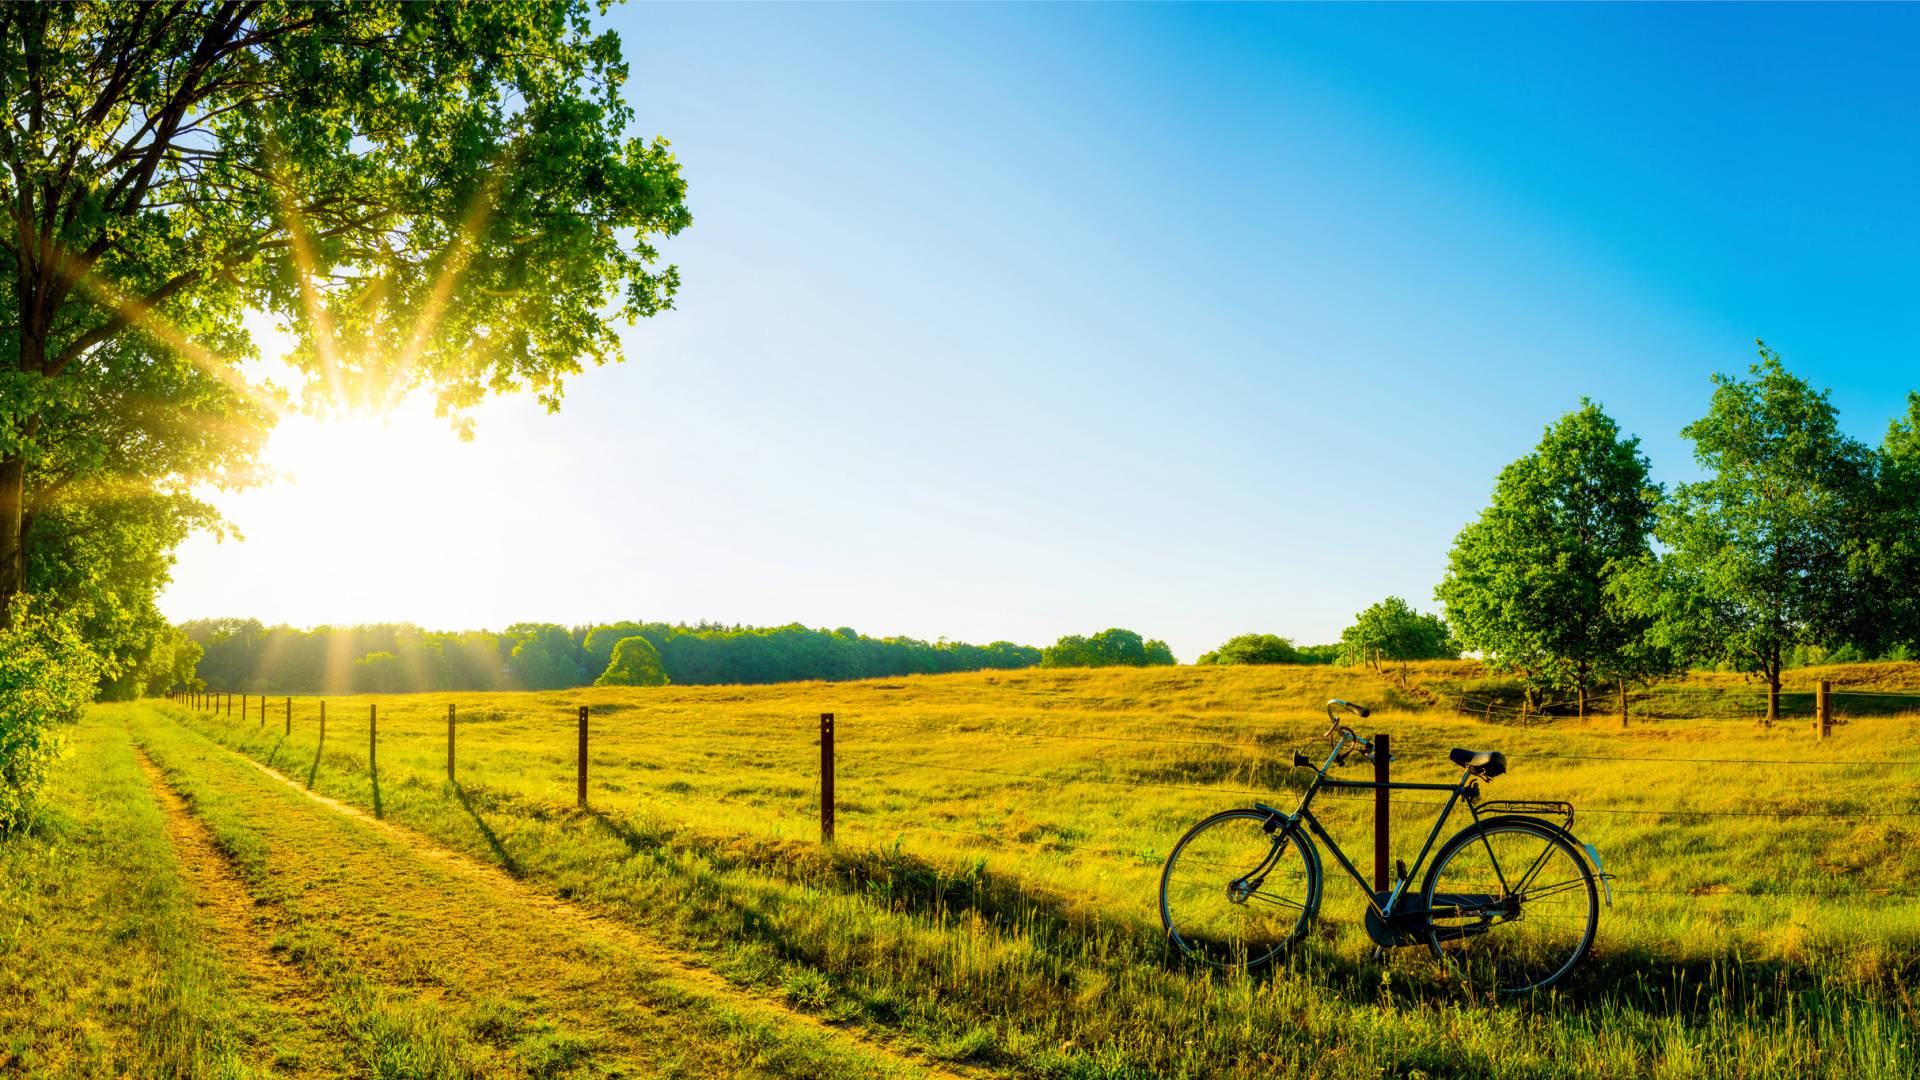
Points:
x=1757 y=557
x=635 y=662
x=1253 y=649
x=1115 y=647
x=1392 y=630
x=439 y=196
x=1528 y=583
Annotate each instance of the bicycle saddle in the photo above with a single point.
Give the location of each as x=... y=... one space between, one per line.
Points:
x=1485 y=764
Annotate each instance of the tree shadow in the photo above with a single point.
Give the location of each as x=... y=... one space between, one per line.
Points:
x=511 y=864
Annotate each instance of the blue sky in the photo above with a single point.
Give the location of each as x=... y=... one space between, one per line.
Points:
x=1009 y=322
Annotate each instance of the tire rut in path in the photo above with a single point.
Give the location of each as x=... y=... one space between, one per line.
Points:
x=708 y=982
x=245 y=927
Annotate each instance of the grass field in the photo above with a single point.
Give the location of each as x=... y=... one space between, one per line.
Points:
x=988 y=909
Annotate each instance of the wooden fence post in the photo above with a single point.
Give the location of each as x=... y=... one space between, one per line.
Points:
x=243 y=706
x=323 y=729
x=289 y=716
x=449 y=742
x=583 y=758
x=373 y=734
x=1380 y=814
x=826 y=778
x=1623 y=704
x=1823 y=718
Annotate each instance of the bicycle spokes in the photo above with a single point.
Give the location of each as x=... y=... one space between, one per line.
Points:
x=1512 y=906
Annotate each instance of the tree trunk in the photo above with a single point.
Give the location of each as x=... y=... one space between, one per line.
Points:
x=13 y=539
x=1623 y=703
x=1583 y=701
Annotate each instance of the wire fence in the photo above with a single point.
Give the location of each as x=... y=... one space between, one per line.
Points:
x=220 y=704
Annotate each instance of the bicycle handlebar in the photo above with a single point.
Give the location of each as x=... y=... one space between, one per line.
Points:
x=1341 y=735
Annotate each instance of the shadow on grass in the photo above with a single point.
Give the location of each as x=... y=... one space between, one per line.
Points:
x=511 y=864
x=314 y=769
x=373 y=779
x=1632 y=979
x=272 y=759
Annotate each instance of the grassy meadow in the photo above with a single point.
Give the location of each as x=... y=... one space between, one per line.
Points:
x=989 y=908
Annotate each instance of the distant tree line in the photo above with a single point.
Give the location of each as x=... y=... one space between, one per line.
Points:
x=244 y=655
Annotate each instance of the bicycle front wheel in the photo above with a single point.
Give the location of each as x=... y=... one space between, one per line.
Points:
x=1235 y=893
x=1511 y=905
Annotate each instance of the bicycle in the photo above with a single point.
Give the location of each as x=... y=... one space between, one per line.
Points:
x=1510 y=902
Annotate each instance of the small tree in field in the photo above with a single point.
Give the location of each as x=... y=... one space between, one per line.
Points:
x=1528 y=585
x=1392 y=631
x=635 y=663
x=1757 y=558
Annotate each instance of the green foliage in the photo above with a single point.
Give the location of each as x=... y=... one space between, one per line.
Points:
x=1108 y=648
x=441 y=197
x=243 y=655
x=1528 y=584
x=1885 y=550
x=1758 y=553
x=46 y=679
x=1321 y=654
x=379 y=673
x=544 y=657
x=1253 y=649
x=1392 y=630
x=635 y=662
x=599 y=642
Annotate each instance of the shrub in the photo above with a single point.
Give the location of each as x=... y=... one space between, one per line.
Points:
x=46 y=678
x=1108 y=648
x=1253 y=649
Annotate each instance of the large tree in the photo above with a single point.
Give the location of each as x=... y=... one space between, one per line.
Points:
x=1757 y=557
x=1885 y=552
x=424 y=195
x=1528 y=584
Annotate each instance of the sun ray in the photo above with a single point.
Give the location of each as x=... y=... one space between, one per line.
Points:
x=150 y=320
x=453 y=266
x=325 y=343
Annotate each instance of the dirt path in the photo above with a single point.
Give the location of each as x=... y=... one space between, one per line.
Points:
x=696 y=979
x=244 y=931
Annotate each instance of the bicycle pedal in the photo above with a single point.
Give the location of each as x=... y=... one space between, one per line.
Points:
x=1400 y=869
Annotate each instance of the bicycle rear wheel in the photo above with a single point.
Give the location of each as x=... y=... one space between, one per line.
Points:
x=1235 y=894
x=1512 y=905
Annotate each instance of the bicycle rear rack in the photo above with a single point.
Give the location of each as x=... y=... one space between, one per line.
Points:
x=1531 y=807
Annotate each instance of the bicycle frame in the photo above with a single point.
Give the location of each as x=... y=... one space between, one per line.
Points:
x=1304 y=814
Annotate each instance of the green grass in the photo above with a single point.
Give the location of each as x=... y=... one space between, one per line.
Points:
x=1009 y=922
x=107 y=970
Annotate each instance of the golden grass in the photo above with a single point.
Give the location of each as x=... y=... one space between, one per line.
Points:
x=992 y=895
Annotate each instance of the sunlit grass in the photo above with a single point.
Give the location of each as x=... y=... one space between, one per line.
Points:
x=973 y=907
